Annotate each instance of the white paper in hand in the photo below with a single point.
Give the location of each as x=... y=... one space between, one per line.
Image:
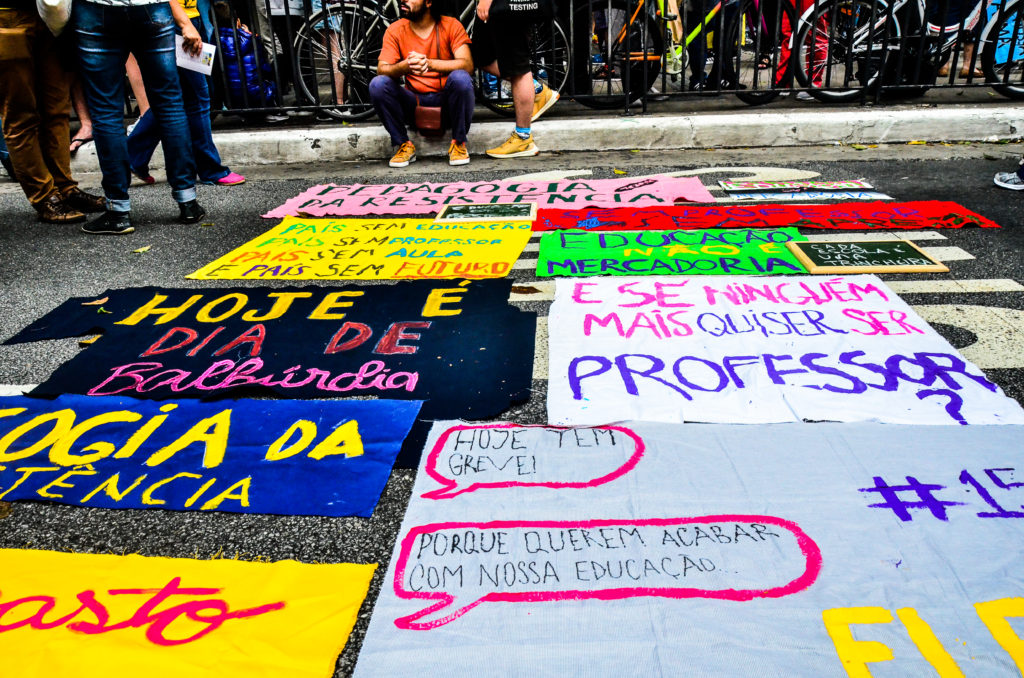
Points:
x=201 y=64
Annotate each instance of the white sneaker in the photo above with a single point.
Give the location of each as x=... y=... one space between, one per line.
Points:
x=1009 y=180
x=804 y=96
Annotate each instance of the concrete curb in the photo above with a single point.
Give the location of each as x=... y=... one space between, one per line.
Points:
x=877 y=125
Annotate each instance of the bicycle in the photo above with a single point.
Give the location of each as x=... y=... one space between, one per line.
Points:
x=635 y=54
x=337 y=49
x=860 y=37
x=757 y=61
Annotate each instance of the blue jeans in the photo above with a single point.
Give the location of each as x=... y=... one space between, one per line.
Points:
x=106 y=35
x=195 y=91
x=395 y=105
x=3 y=146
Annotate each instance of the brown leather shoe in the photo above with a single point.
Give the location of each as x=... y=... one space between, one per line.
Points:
x=78 y=199
x=53 y=210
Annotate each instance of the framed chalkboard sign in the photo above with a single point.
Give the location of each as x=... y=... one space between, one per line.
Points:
x=864 y=256
x=498 y=211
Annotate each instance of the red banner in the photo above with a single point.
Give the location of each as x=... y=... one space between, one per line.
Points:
x=847 y=216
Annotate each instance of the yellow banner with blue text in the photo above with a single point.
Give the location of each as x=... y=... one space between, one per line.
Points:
x=373 y=249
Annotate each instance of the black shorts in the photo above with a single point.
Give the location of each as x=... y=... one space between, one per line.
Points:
x=508 y=42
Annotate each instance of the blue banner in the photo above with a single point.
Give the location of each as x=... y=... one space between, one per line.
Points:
x=313 y=457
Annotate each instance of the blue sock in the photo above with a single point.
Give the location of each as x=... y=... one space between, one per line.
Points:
x=523 y=132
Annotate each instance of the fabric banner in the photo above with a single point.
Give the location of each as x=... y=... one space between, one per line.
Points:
x=372 y=249
x=96 y=616
x=669 y=550
x=756 y=350
x=857 y=216
x=855 y=184
x=322 y=457
x=356 y=199
x=804 y=196
x=458 y=347
x=581 y=253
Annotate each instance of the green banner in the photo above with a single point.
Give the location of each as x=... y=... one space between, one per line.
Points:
x=574 y=252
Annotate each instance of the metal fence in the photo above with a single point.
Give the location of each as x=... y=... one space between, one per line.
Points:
x=318 y=57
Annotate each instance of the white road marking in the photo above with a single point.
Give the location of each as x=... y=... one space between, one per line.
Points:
x=748 y=174
x=954 y=286
x=15 y=389
x=1000 y=332
x=824 y=237
x=876 y=235
x=545 y=289
x=550 y=175
x=947 y=253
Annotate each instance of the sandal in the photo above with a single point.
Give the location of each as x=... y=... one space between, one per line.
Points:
x=764 y=63
x=77 y=143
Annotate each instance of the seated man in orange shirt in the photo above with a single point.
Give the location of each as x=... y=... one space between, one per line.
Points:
x=432 y=53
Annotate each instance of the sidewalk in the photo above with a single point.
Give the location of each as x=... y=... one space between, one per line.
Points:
x=679 y=124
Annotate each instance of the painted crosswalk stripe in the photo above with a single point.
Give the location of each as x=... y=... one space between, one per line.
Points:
x=544 y=290
x=827 y=237
x=876 y=235
x=947 y=253
x=15 y=389
x=954 y=286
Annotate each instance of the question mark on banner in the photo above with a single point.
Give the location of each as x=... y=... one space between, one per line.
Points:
x=952 y=407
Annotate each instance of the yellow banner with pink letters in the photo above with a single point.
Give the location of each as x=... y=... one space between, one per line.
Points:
x=70 y=614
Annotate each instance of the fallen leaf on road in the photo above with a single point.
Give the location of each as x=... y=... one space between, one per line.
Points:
x=103 y=310
x=917 y=143
x=858 y=147
x=142 y=250
x=618 y=171
x=98 y=302
x=207 y=223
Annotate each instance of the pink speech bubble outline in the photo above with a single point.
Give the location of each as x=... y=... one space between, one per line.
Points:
x=810 y=550
x=444 y=492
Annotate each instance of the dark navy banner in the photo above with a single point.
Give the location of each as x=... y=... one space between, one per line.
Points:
x=319 y=457
x=459 y=347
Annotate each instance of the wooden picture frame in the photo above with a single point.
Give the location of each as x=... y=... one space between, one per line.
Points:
x=487 y=212
x=846 y=252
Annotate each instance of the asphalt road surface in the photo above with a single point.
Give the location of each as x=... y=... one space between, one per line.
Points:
x=43 y=265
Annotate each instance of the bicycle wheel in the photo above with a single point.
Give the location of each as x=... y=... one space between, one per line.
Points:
x=336 y=54
x=625 y=52
x=549 y=62
x=1002 y=52
x=758 y=35
x=842 y=47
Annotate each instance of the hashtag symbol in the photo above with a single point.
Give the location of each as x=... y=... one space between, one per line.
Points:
x=925 y=498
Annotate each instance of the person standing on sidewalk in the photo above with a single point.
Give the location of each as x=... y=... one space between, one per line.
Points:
x=432 y=53
x=35 y=106
x=1011 y=180
x=501 y=47
x=195 y=90
x=107 y=30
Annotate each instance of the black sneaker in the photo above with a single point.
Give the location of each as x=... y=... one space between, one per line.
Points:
x=190 y=212
x=110 y=223
x=8 y=166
